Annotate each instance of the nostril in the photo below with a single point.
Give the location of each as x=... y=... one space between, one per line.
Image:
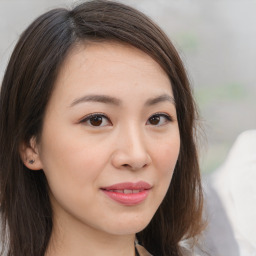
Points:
x=134 y=167
x=130 y=160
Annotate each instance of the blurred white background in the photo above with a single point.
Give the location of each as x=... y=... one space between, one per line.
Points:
x=217 y=41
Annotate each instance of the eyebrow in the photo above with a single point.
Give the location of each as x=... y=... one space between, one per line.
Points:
x=161 y=98
x=97 y=98
x=117 y=102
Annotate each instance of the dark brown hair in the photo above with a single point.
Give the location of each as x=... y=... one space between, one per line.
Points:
x=26 y=212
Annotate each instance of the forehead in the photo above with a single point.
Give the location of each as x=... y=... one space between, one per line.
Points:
x=110 y=67
x=89 y=53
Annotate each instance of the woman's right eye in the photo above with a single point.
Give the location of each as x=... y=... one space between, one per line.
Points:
x=96 y=120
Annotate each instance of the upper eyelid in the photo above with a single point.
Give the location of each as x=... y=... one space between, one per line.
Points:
x=162 y=114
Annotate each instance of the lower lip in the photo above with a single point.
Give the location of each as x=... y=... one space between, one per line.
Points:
x=127 y=199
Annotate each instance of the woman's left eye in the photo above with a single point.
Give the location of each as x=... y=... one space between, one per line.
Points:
x=159 y=119
x=96 y=120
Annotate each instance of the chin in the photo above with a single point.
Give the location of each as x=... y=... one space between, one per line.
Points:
x=130 y=226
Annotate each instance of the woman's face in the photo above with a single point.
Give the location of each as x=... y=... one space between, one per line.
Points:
x=110 y=139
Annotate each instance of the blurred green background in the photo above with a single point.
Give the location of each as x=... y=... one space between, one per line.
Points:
x=217 y=42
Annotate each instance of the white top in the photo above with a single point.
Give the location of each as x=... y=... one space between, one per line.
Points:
x=235 y=187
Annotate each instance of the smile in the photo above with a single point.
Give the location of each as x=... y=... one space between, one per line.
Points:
x=128 y=193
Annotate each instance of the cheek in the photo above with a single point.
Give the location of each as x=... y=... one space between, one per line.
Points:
x=72 y=169
x=166 y=155
x=71 y=161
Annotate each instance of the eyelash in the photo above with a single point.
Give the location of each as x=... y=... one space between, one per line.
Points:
x=94 y=115
x=87 y=118
x=166 y=116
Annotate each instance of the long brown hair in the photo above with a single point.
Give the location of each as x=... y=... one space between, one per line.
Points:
x=26 y=212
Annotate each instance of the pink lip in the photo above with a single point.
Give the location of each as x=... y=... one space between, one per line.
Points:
x=140 y=192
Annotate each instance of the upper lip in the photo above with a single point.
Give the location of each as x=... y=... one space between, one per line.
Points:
x=141 y=185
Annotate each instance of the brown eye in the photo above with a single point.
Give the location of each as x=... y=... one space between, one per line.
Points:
x=159 y=119
x=96 y=120
x=154 y=120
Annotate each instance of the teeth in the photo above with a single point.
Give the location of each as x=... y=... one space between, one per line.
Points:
x=128 y=191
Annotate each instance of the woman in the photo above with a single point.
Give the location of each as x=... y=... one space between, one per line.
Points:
x=97 y=138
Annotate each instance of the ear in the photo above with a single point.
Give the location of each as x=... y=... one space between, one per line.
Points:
x=30 y=155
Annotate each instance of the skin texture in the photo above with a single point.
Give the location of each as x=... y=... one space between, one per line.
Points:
x=79 y=158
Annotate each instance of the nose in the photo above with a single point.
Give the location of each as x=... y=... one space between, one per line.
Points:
x=131 y=150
